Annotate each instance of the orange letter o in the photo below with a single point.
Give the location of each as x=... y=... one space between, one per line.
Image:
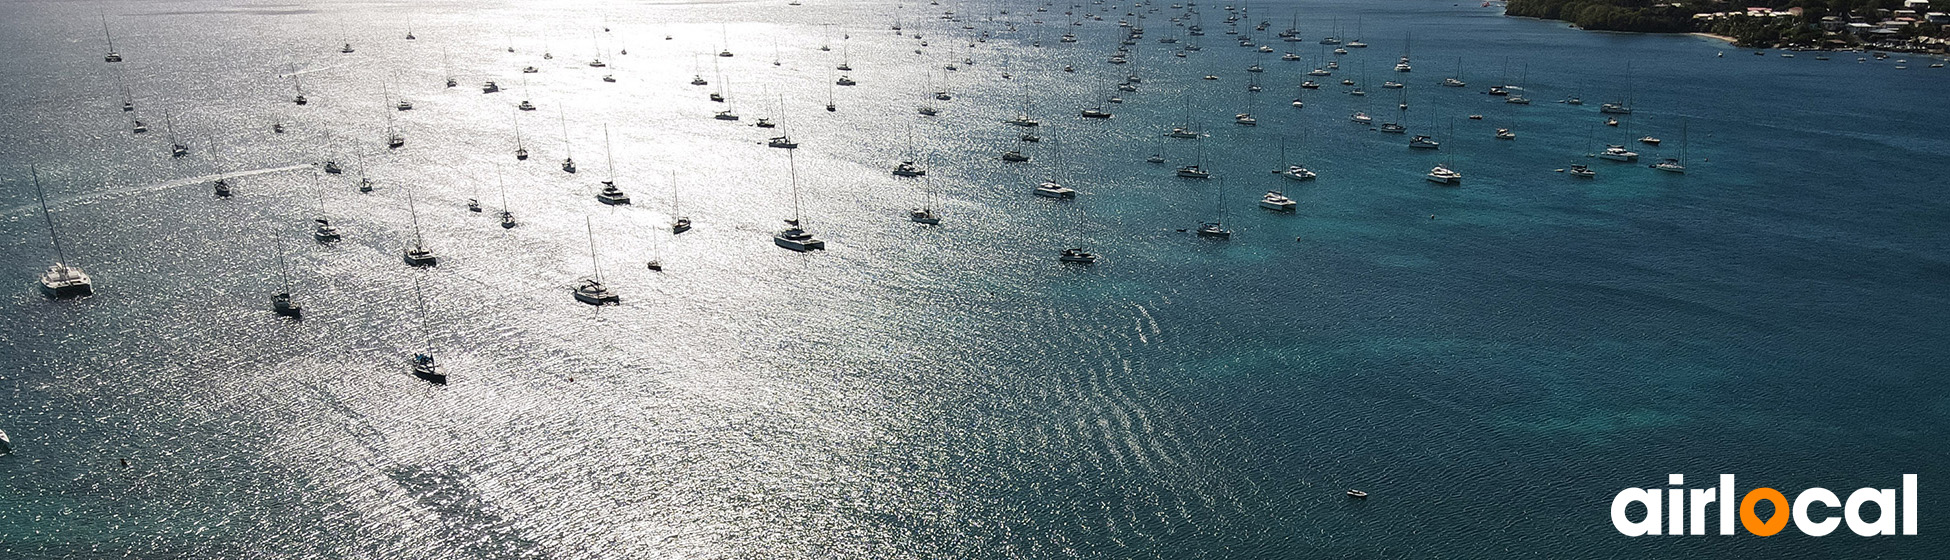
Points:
x=1753 y=523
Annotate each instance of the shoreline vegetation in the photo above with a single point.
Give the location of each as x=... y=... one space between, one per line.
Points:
x=1794 y=24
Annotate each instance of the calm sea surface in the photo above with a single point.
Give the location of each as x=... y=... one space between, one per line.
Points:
x=1493 y=362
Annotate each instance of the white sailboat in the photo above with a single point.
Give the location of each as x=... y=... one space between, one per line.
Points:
x=61 y=280
x=591 y=290
x=418 y=254
x=795 y=237
x=423 y=364
x=281 y=302
x=322 y=229
x=610 y=194
x=112 y=56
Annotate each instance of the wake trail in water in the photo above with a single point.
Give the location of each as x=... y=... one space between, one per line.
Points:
x=153 y=187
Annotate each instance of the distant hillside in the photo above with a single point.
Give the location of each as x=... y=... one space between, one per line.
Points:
x=1609 y=15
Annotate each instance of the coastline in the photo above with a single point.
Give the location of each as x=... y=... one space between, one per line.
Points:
x=1729 y=40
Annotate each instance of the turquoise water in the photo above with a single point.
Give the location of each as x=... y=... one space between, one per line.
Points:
x=1493 y=362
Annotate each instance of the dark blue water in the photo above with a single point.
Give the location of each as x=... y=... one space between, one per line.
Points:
x=1492 y=361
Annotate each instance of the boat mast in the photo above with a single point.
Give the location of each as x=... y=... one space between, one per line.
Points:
x=105 y=33
x=607 y=156
x=517 y=121
x=418 y=242
x=793 y=168
x=1222 y=201
x=426 y=330
x=284 y=274
x=503 y=186
x=48 y=214
x=563 y=117
x=593 y=266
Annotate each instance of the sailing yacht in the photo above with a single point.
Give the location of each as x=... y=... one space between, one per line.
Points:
x=507 y=216
x=324 y=231
x=423 y=364
x=1077 y=255
x=795 y=237
x=112 y=56
x=1216 y=229
x=281 y=302
x=61 y=280
x=591 y=290
x=1051 y=189
x=1615 y=152
x=418 y=254
x=1443 y=175
x=521 y=150
x=1277 y=201
x=568 y=155
x=1423 y=142
x=394 y=139
x=1671 y=164
x=610 y=194
x=679 y=223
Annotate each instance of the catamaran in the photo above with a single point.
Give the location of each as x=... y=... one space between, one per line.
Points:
x=418 y=254
x=610 y=194
x=112 y=56
x=591 y=290
x=61 y=280
x=795 y=237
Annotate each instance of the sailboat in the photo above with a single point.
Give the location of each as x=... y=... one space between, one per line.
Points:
x=222 y=184
x=322 y=229
x=1293 y=171
x=418 y=254
x=448 y=65
x=61 y=280
x=568 y=157
x=1216 y=228
x=1049 y=188
x=907 y=167
x=112 y=56
x=1197 y=169
x=679 y=223
x=299 y=86
x=521 y=150
x=1675 y=165
x=507 y=216
x=795 y=237
x=423 y=364
x=610 y=194
x=176 y=148
x=281 y=302
x=730 y=111
x=394 y=139
x=591 y=290
x=1442 y=174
